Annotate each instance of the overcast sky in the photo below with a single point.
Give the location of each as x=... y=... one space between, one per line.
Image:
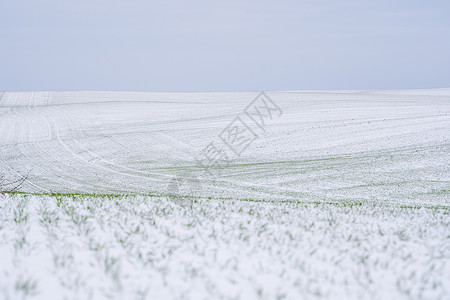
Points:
x=229 y=45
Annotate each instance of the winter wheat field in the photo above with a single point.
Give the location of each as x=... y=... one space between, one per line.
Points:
x=321 y=194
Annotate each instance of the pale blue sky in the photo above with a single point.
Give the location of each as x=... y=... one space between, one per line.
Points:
x=139 y=45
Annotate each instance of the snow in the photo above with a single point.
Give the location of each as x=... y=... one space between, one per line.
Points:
x=121 y=247
x=345 y=195
x=367 y=145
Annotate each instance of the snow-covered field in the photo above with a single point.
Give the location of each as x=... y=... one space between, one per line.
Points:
x=344 y=195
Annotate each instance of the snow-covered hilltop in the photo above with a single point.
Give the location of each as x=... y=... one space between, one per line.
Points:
x=327 y=145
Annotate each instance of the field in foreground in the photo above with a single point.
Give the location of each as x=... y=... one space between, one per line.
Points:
x=78 y=247
x=345 y=195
